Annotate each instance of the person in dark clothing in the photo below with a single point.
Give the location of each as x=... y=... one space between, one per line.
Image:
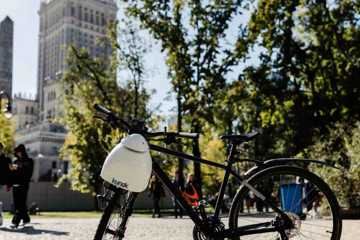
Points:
x=179 y=183
x=5 y=163
x=22 y=172
x=157 y=192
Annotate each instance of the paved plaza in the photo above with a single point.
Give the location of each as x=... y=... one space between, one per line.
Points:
x=139 y=228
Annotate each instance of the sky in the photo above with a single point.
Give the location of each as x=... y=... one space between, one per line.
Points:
x=26 y=22
x=26 y=29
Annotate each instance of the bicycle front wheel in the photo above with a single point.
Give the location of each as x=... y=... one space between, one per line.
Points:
x=305 y=198
x=113 y=222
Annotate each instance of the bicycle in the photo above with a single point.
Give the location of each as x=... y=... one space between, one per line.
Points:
x=290 y=194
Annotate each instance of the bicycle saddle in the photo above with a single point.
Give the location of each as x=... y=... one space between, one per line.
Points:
x=241 y=138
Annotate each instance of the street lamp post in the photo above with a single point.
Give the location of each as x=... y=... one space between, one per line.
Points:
x=8 y=107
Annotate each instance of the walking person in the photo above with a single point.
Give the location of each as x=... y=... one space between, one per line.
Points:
x=22 y=170
x=180 y=185
x=157 y=192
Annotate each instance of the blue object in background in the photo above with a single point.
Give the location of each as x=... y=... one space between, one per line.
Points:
x=291 y=197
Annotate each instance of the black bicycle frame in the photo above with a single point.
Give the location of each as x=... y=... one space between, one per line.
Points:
x=246 y=230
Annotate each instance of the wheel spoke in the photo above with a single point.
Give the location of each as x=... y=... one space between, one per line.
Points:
x=304 y=197
x=110 y=225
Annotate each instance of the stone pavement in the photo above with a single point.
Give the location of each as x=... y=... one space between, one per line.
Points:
x=139 y=228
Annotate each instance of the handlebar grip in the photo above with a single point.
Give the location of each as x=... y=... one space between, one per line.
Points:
x=102 y=109
x=188 y=135
x=173 y=134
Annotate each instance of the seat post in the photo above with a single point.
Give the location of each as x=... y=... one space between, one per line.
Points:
x=231 y=152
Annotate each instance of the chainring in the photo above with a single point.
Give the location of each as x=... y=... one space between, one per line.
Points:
x=215 y=225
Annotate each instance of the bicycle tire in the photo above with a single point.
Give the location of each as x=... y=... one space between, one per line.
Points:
x=259 y=178
x=105 y=221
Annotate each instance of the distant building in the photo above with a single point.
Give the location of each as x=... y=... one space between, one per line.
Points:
x=25 y=110
x=6 y=54
x=62 y=23
x=43 y=141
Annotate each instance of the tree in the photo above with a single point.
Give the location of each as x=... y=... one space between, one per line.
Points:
x=6 y=133
x=305 y=87
x=132 y=48
x=306 y=79
x=195 y=36
x=303 y=84
x=88 y=81
x=213 y=149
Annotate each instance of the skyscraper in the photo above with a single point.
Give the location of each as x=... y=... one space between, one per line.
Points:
x=80 y=23
x=6 y=54
x=63 y=23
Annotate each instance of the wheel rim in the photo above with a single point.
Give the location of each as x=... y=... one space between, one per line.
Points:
x=112 y=231
x=306 y=201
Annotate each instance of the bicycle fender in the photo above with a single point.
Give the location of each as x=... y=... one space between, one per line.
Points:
x=281 y=161
x=286 y=161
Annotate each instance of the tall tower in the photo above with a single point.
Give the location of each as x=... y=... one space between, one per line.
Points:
x=80 y=23
x=63 y=23
x=6 y=54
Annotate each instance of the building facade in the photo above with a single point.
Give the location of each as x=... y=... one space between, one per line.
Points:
x=6 y=54
x=25 y=111
x=63 y=23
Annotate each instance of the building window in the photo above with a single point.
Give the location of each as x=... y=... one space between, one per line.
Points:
x=55 y=150
x=86 y=15
x=92 y=17
x=80 y=13
x=72 y=11
x=26 y=110
x=103 y=21
x=97 y=18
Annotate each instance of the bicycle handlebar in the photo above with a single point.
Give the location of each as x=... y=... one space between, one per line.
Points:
x=173 y=134
x=188 y=135
x=108 y=116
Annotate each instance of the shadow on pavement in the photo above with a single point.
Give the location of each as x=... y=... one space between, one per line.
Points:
x=30 y=230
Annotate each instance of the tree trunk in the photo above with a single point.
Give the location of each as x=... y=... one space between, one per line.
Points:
x=179 y=129
x=197 y=166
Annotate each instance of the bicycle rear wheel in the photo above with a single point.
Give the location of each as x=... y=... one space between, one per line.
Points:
x=113 y=222
x=305 y=198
